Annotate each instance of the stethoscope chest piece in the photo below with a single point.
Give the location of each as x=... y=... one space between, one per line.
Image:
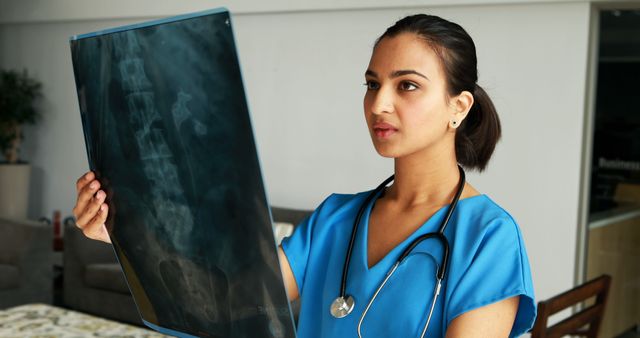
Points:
x=341 y=307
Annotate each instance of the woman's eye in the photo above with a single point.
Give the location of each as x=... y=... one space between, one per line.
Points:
x=371 y=85
x=408 y=86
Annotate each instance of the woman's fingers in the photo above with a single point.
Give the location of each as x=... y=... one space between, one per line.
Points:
x=90 y=210
x=95 y=228
x=84 y=180
x=91 y=207
x=85 y=196
x=81 y=185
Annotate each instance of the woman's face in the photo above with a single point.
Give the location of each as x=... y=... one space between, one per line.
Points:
x=406 y=105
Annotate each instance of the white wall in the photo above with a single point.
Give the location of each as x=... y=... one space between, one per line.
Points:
x=64 y=10
x=304 y=72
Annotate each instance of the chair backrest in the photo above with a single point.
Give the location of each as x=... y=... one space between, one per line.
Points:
x=574 y=325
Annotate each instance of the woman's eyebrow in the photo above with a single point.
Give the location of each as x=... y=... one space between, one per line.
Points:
x=397 y=73
x=406 y=72
x=370 y=73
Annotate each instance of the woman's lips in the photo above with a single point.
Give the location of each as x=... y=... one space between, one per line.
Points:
x=384 y=130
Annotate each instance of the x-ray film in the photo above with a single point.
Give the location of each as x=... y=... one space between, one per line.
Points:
x=168 y=132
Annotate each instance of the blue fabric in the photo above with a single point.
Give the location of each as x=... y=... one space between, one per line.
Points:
x=488 y=263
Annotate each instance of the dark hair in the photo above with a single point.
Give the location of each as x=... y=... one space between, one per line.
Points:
x=479 y=132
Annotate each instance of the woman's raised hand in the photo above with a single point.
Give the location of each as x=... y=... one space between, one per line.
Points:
x=90 y=210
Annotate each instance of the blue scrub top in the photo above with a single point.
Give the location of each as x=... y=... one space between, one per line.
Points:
x=488 y=262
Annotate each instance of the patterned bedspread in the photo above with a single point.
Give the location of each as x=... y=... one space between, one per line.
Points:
x=45 y=321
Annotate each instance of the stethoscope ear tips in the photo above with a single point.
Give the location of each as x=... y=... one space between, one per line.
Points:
x=341 y=307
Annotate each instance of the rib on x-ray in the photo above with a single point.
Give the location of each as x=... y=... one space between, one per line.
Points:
x=168 y=133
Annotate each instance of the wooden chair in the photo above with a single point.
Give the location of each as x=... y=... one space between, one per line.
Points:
x=575 y=324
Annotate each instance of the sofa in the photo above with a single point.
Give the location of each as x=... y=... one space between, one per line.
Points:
x=26 y=262
x=93 y=280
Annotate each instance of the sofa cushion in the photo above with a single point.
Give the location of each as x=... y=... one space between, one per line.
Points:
x=106 y=276
x=9 y=277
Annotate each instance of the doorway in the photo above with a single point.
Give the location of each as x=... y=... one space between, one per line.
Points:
x=613 y=232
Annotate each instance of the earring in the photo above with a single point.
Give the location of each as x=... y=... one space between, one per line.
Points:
x=454 y=124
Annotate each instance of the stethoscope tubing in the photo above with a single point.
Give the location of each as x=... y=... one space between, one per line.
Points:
x=440 y=234
x=354 y=230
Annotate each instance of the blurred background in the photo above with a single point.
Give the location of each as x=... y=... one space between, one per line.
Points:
x=562 y=74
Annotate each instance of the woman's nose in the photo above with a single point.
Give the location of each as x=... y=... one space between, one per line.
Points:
x=382 y=102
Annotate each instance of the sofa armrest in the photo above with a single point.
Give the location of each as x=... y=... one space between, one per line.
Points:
x=85 y=250
x=28 y=245
x=80 y=251
x=21 y=240
x=286 y=215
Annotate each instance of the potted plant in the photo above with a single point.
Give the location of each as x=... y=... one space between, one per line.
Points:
x=18 y=93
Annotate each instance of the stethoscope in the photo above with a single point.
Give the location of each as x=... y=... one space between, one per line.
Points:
x=344 y=304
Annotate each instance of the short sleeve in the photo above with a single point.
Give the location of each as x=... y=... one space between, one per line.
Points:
x=298 y=245
x=493 y=266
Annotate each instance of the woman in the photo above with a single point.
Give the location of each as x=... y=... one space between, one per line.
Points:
x=425 y=110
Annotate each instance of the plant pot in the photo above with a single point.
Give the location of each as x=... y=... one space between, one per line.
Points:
x=14 y=190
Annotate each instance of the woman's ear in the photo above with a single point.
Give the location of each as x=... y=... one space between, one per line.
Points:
x=460 y=104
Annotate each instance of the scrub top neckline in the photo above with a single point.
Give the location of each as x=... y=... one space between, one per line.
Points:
x=392 y=253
